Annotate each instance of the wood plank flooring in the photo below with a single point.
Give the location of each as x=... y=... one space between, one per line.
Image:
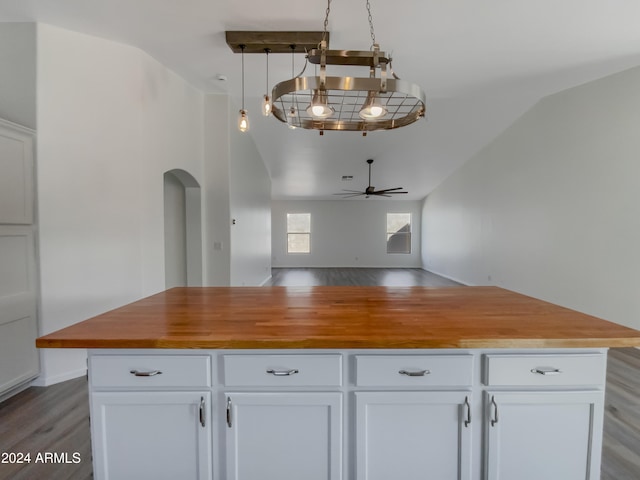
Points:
x=621 y=443
x=389 y=277
x=56 y=418
x=44 y=420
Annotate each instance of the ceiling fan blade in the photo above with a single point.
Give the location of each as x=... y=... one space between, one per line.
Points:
x=370 y=190
x=354 y=193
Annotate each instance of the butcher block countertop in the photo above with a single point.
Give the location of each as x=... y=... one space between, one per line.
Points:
x=341 y=317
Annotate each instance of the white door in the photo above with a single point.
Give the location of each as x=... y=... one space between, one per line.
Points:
x=284 y=436
x=413 y=435
x=544 y=435
x=151 y=435
x=19 y=360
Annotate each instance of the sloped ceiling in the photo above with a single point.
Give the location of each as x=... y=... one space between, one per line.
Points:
x=481 y=64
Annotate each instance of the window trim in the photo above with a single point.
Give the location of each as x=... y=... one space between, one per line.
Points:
x=408 y=234
x=308 y=233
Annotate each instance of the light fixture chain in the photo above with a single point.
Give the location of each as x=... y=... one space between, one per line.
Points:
x=326 y=20
x=371 y=30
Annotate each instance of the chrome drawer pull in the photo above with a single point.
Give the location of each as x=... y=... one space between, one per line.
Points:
x=494 y=420
x=546 y=371
x=229 y=407
x=283 y=373
x=467 y=422
x=202 y=412
x=418 y=373
x=145 y=374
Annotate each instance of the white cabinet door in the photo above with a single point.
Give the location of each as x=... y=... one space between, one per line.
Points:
x=19 y=359
x=544 y=435
x=284 y=436
x=413 y=435
x=16 y=174
x=151 y=435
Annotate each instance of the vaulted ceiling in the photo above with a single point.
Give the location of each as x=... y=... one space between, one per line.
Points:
x=481 y=65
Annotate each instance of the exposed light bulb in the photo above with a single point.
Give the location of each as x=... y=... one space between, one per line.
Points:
x=372 y=108
x=292 y=115
x=266 y=106
x=243 y=121
x=319 y=107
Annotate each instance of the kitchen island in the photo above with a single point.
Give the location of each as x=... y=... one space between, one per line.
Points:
x=366 y=383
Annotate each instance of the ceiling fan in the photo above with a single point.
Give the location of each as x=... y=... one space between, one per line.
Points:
x=387 y=192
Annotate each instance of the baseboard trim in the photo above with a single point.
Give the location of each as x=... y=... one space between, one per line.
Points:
x=45 y=381
x=14 y=390
x=453 y=279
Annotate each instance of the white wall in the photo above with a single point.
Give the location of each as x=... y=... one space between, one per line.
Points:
x=250 y=186
x=551 y=208
x=18 y=78
x=110 y=121
x=238 y=187
x=217 y=231
x=345 y=233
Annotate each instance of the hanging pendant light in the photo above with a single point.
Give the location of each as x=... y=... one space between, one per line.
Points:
x=266 y=101
x=381 y=101
x=243 y=118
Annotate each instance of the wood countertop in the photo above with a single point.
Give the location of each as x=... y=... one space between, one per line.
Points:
x=341 y=317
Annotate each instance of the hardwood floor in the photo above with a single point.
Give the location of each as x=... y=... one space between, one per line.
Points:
x=621 y=448
x=56 y=419
x=390 y=277
x=47 y=420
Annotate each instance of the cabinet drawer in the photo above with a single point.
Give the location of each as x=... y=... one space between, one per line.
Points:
x=173 y=371
x=543 y=369
x=414 y=370
x=282 y=370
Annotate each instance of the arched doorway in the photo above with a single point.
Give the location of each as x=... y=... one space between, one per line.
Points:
x=182 y=230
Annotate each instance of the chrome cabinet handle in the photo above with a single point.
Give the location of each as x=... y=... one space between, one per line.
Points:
x=467 y=422
x=229 y=412
x=546 y=371
x=283 y=373
x=151 y=373
x=418 y=373
x=494 y=420
x=202 y=412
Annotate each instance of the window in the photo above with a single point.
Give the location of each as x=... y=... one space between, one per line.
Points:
x=298 y=232
x=398 y=233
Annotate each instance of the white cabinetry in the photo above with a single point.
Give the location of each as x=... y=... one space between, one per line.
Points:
x=413 y=435
x=19 y=359
x=544 y=416
x=273 y=432
x=347 y=414
x=151 y=417
x=151 y=435
x=536 y=435
x=284 y=436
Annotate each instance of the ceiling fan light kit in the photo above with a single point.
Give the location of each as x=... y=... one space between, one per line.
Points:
x=380 y=101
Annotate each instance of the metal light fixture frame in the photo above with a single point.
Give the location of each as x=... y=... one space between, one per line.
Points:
x=403 y=102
